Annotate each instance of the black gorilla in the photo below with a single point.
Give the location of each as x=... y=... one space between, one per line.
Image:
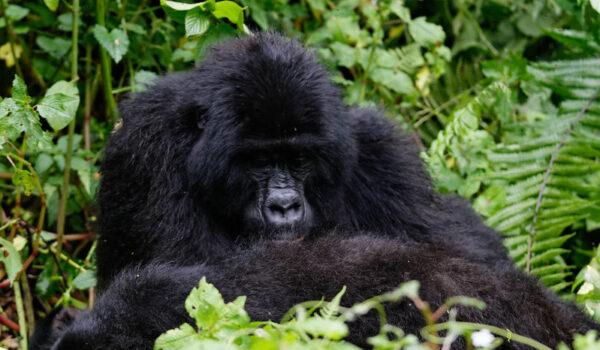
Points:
x=249 y=170
x=256 y=143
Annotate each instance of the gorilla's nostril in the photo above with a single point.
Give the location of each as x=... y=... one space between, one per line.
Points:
x=284 y=207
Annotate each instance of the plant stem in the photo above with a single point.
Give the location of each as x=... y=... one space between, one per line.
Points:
x=62 y=211
x=28 y=303
x=113 y=113
x=498 y=331
x=88 y=96
x=17 y=209
x=21 y=315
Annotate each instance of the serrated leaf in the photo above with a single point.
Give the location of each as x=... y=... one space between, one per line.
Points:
x=320 y=327
x=19 y=91
x=344 y=54
x=52 y=4
x=175 y=338
x=426 y=33
x=53 y=109
x=397 y=81
x=84 y=172
x=196 y=22
x=115 y=43
x=24 y=178
x=12 y=261
x=85 y=280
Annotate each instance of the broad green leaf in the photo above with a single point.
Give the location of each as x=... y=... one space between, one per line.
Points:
x=52 y=108
x=176 y=338
x=144 y=79
x=196 y=22
x=44 y=284
x=84 y=171
x=344 y=54
x=12 y=261
x=85 y=280
x=205 y=304
x=19 y=91
x=230 y=10
x=132 y=27
x=595 y=5
x=116 y=42
x=43 y=163
x=396 y=81
x=343 y=29
x=24 y=178
x=65 y=22
x=52 y=4
x=178 y=10
x=207 y=307
x=426 y=33
x=317 y=5
x=56 y=47
x=400 y=10
x=16 y=12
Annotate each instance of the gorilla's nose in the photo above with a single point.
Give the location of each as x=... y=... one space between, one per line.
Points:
x=283 y=206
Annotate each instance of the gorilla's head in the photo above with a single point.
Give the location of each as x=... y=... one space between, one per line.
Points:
x=272 y=137
x=257 y=139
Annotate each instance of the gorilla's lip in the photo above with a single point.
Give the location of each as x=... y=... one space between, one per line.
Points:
x=294 y=241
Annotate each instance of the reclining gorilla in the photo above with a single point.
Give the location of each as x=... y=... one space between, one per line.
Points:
x=250 y=171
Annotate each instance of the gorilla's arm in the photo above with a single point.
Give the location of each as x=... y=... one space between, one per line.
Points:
x=389 y=191
x=142 y=303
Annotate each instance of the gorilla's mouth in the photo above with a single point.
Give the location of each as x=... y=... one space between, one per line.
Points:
x=278 y=222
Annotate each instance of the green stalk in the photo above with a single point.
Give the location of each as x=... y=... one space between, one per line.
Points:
x=105 y=62
x=28 y=304
x=88 y=97
x=21 y=314
x=62 y=211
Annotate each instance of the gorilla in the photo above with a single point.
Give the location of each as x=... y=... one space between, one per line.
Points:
x=250 y=171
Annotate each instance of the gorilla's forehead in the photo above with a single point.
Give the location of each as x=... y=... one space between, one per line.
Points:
x=273 y=87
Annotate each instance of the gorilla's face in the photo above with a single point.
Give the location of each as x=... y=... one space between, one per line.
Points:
x=279 y=178
x=265 y=180
x=272 y=141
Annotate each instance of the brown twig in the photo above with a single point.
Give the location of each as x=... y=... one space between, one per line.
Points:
x=9 y=323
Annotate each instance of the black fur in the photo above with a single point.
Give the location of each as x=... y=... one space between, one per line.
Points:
x=175 y=188
x=170 y=191
x=143 y=302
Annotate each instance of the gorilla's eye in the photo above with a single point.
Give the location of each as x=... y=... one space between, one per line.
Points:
x=260 y=160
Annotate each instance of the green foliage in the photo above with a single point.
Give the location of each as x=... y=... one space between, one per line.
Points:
x=489 y=89
x=497 y=148
x=322 y=325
